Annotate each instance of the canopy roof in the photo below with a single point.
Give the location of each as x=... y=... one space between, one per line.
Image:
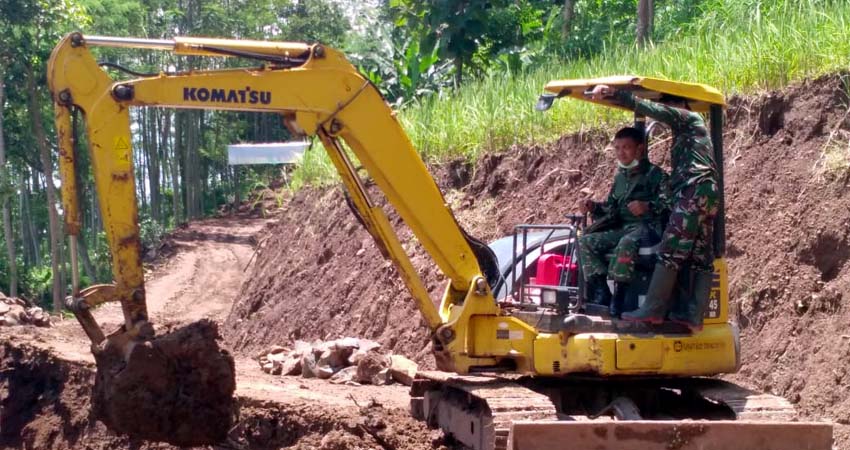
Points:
x=700 y=96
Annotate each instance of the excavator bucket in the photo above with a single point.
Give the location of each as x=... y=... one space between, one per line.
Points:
x=176 y=388
x=666 y=435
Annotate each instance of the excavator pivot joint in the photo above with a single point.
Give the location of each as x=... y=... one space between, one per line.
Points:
x=77 y=39
x=480 y=286
x=64 y=98
x=76 y=303
x=123 y=92
x=445 y=334
x=335 y=128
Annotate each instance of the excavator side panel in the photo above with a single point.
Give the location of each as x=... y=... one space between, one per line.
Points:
x=710 y=352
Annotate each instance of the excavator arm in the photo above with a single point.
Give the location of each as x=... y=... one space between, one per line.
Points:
x=318 y=93
x=146 y=382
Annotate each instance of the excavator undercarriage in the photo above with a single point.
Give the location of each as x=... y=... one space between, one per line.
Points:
x=491 y=412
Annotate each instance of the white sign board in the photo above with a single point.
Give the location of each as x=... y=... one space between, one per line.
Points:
x=271 y=153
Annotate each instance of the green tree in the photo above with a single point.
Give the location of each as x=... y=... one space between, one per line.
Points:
x=30 y=31
x=467 y=32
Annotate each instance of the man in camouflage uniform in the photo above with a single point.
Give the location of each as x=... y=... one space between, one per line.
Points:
x=688 y=236
x=635 y=206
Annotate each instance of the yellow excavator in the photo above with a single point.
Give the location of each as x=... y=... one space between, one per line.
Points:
x=523 y=362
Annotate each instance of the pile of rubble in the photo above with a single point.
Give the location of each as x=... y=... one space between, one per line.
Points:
x=16 y=311
x=349 y=361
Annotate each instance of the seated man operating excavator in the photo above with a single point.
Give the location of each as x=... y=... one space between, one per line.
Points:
x=636 y=210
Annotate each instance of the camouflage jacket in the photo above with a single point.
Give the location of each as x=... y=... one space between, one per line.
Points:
x=647 y=183
x=692 y=157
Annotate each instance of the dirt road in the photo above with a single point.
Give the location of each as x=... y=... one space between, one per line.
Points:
x=200 y=280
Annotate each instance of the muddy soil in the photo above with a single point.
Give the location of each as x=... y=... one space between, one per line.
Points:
x=45 y=403
x=177 y=388
x=318 y=274
x=47 y=380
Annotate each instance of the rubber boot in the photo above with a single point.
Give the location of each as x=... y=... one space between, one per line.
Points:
x=616 y=307
x=598 y=290
x=691 y=315
x=657 y=301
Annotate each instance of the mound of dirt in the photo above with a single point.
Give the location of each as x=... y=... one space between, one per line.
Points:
x=177 y=388
x=45 y=403
x=318 y=274
x=307 y=427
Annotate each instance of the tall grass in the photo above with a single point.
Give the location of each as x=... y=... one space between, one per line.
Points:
x=315 y=168
x=738 y=46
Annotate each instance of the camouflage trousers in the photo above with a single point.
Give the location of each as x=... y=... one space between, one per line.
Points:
x=689 y=235
x=624 y=242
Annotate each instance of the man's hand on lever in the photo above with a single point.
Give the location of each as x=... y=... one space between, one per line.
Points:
x=602 y=91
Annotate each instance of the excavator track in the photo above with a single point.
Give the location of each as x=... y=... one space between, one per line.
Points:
x=478 y=411
x=744 y=403
x=495 y=413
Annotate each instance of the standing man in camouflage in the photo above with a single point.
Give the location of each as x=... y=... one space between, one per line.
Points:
x=688 y=236
x=635 y=206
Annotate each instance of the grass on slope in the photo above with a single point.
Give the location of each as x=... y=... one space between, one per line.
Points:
x=739 y=46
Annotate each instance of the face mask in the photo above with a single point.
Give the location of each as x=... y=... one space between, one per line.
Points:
x=630 y=165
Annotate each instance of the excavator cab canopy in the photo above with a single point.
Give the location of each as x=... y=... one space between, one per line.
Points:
x=700 y=97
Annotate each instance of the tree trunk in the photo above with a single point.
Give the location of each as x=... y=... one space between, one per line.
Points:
x=29 y=257
x=82 y=247
x=191 y=161
x=163 y=154
x=83 y=252
x=34 y=230
x=7 y=209
x=153 y=167
x=175 y=167
x=651 y=18
x=63 y=269
x=139 y=162
x=31 y=254
x=47 y=166
x=644 y=22
x=186 y=163
x=458 y=71
x=569 y=13
x=201 y=168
